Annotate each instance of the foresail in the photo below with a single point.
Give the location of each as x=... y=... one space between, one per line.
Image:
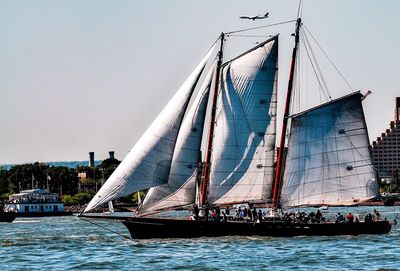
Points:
x=148 y=163
x=181 y=187
x=244 y=138
x=328 y=160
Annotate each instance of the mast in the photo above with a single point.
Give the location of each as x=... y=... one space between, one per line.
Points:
x=278 y=172
x=207 y=164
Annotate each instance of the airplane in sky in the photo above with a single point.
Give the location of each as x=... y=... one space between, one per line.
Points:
x=258 y=17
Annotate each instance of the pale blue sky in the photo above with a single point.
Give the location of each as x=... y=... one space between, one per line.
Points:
x=80 y=76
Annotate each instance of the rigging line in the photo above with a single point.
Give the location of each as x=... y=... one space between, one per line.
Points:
x=300 y=9
x=317 y=65
x=259 y=27
x=330 y=60
x=324 y=84
x=312 y=65
x=216 y=40
x=107 y=229
x=251 y=36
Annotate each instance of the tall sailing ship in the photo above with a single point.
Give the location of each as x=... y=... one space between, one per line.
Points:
x=232 y=121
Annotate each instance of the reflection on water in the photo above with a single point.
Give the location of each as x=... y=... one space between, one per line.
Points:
x=71 y=243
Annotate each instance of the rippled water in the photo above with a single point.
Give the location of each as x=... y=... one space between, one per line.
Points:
x=60 y=243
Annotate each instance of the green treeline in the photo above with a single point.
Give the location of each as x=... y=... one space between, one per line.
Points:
x=58 y=179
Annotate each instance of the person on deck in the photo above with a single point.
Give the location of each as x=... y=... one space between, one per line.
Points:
x=312 y=217
x=241 y=215
x=245 y=212
x=318 y=216
x=214 y=215
x=350 y=218
x=196 y=212
x=377 y=214
x=368 y=218
x=250 y=215
x=339 y=218
x=217 y=214
x=260 y=215
x=206 y=213
x=224 y=217
x=227 y=211
x=254 y=214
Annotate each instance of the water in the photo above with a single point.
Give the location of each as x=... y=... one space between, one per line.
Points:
x=68 y=243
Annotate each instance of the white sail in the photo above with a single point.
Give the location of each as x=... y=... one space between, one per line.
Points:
x=148 y=163
x=181 y=187
x=110 y=207
x=328 y=160
x=244 y=139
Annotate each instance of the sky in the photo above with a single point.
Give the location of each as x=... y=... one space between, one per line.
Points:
x=80 y=76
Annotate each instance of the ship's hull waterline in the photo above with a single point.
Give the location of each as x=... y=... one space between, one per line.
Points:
x=43 y=214
x=147 y=228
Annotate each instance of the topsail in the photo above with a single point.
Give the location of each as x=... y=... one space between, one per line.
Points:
x=148 y=163
x=244 y=139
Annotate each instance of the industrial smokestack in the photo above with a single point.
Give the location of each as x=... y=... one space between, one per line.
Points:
x=91 y=159
x=111 y=153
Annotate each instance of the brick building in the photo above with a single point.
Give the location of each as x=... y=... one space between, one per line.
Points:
x=386 y=148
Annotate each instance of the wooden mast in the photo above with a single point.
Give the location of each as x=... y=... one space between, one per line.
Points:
x=278 y=171
x=207 y=163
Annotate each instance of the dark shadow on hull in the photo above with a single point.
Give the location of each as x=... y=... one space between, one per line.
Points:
x=7 y=216
x=146 y=228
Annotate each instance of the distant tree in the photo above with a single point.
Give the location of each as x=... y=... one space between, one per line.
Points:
x=69 y=200
x=107 y=167
x=57 y=178
x=80 y=198
x=63 y=178
x=83 y=198
x=5 y=185
x=25 y=174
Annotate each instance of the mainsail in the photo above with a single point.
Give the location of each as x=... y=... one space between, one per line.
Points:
x=148 y=163
x=244 y=138
x=181 y=187
x=328 y=158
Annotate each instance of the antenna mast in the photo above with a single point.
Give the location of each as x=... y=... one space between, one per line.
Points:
x=207 y=163
x=279 y=163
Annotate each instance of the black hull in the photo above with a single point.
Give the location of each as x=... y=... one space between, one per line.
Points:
x=146 y=228
x=42 y=214
x=7 y=216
